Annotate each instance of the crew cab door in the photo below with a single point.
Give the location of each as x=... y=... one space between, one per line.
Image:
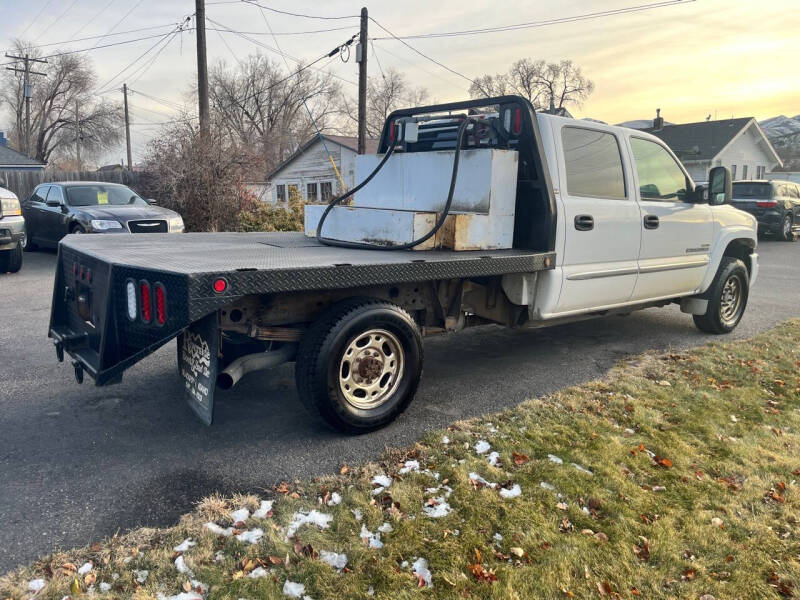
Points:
x=53 y=218
x=32 y=210
x=676 y=232
x=601 y=219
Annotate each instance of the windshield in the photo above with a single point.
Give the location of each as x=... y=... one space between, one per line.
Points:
x=101 y=195
x=759 y=191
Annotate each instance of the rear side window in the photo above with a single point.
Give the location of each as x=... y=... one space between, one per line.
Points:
x=757 y=191
x=594 y=163
x=660 y=177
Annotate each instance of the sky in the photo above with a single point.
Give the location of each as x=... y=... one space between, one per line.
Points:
x=691 y=59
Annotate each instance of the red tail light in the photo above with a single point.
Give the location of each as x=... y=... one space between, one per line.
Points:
x=146 y=304
x=161 y=304
x=767 y=204
x=517 y=121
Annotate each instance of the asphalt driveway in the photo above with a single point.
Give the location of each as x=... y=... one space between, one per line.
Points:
x=78 y=463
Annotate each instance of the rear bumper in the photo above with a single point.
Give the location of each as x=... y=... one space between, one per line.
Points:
x=12 y=230
x=770 y=221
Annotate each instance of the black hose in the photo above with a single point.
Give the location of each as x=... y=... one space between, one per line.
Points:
x=407 y=246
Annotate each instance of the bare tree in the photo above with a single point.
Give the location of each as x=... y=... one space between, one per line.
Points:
x=385 y=93
x=546 y=85
x=260 y=105
x=69 y=83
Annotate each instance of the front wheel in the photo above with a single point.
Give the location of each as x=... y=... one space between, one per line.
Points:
x=359 y=364
x=727 y=298
x=11 y=260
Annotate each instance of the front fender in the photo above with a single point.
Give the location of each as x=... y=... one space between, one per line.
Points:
x=745 y=238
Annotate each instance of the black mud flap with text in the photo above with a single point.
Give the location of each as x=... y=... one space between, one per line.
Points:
x=198 y=347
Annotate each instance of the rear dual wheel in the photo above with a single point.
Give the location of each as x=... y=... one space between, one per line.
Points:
x=359 y=364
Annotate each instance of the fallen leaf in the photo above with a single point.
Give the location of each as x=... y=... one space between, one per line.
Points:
x=517 y=551
x=275 y=560
x=344 y=469
x=69 y=568
x=187 y=586
x=519 y=459
x=604 y=588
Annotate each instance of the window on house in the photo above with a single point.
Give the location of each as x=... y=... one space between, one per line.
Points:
x=760 y=172
x=593 y=162
x=281 y=191
x=744 y=171
x=326 y=190
x=311 y=192
x=660 y=177
x=733 y=172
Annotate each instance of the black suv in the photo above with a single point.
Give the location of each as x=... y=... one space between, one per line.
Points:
x=775 y=204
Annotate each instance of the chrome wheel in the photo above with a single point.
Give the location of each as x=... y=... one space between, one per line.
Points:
x=371 y=368
x=23 y=242
x=787 y=227
x=731 y=302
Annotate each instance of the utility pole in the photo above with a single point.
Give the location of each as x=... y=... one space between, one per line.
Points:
x=361 y=58
x=26 y=86
x=202 y=67
x=127 y=124
x=77 y=136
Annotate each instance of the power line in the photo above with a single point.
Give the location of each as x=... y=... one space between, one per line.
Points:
x=36 y=18
x=422 y=54
x=56 y=20
x=292 y=14
x=125 y=16
x=94 y=17
x=139 y=73
x=329 y=29
x=94 y=37
x=542 y=23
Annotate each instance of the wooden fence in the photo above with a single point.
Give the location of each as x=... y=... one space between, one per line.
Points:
x=23 y=182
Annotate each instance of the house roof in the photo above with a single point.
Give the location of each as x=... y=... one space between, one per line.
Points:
x=346 y=141
x=12 y=158
x=703 y=140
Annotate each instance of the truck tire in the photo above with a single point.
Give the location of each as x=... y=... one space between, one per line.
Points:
x=358 y=365
x=787 y=232
x=727 y=298
x=11 y=260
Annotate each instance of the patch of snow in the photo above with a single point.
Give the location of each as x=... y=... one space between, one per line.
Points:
x=373 y=539
x=481 y=480
x=386 y=527
x=219 y=556
x=409 y=466
x=357 y=514
x=264 y=508
x=85 y=568
x=421 y=570
x=183 y=568
x=546 y=486
x=181 y=596
x=105 y=587
x=438 y=510
x=582 y=469
x=335 y=499
x=554 y=459
x=482 y=446
x=214 y=528
x=494 y=459
x=321 y=520
x=240 y=516
x=141 y=576
x=497 y=537
x=445 y=439
x=253 y=536
x=371 y=591
x=378 y=490
x=36 y=585
x=511 y=493
x=293 y=590
x=258 y=572
x=185 y=545
x=199 y=584
x=404 y=564
x=586 y=510
x=382 y=480
x=334 y=559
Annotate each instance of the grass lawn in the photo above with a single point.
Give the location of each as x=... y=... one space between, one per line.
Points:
x=673 y=477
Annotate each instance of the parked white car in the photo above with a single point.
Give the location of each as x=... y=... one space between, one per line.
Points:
x=12 y=232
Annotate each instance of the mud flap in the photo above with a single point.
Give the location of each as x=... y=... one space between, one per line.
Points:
x=198 y=348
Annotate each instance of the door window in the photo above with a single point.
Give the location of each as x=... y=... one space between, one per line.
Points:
x=593 y=164
x=311 y=192
x=327 y=191
x=40 y=193
x=55 y=194
x=660 y=177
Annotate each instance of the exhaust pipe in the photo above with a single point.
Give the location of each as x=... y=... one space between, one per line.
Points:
x=254 y=362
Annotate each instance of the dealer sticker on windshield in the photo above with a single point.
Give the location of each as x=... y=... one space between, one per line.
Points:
x=197 y=361
x=102 y=197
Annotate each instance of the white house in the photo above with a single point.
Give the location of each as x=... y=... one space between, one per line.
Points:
x=309 y=171
x=738 y=144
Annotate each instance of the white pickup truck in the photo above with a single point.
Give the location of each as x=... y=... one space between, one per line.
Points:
x=606 y=220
